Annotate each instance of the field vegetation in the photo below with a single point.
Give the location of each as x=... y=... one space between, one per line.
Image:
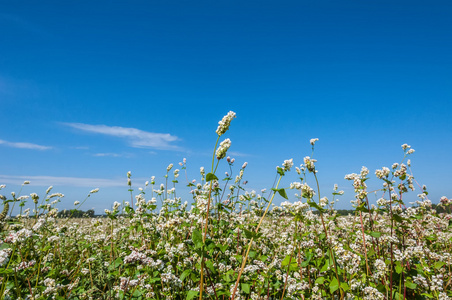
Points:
x=229 y=243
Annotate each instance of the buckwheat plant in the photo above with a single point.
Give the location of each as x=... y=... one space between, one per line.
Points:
x=228 y=242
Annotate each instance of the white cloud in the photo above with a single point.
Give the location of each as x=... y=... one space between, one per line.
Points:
x=137 y=138
x=239 y=154
x=64 y=181
x=24 y=145
x=107 y=154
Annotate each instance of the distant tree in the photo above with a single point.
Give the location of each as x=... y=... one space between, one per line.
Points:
x=75 y=213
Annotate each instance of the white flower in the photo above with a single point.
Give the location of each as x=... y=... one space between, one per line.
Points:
x=223 y=148
x=312 y=141
x=94 y=191
x=223 y=125
x=76 y=203
x=309 y=163
x=287 y=164
x=49 y=189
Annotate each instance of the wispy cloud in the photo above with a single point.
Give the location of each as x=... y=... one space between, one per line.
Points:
x=80 y=147
x=24 y=145
x=137 y=138
x=107 y=155
x=239 y=154
x=63 y=181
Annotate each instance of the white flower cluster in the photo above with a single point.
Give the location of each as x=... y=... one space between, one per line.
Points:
x=407 y=148
x=401 y=171
x=50 y=286
x=295 y=185
x=381 y=268
x=306 y=191
x=312 y=141
x=25 y=265
x=59 y=195
x=19 y=236
x=373 y=294
x=223 y=125
x=137 y=257
x=287 y=164
x=359 y=183
x=94 y=191
x=296 y=207
x=383 y=173
x=309 y=163
x=223 y=148
x=39 y=224
x=4 y=256
x=445 y=201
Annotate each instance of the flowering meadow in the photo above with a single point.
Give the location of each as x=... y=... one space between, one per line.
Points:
x=225 y=242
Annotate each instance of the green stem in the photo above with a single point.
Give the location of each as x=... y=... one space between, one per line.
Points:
x=251 y=241
x=207 y=219
x=326 y=236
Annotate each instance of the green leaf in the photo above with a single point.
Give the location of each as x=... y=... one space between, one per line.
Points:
x=439 y=264
x=191 y=295
x=184 y=274
x=410 y=285
x=246 y=288
x=398 y=296
x=362 y=208
x=397 y=218
x=210 y=177
x=286 y=260
x=325 y=266
x=283 y=194
x=280 y=171
x=398 y=268
x=197 y=238
x=249 y=234
x=209 y=264
x=345 y=287
x=320 y=280
x=222 y=247
x=309 y=256
x=375 y=234
x=315 y=205
x=6 y=271
x=427 y=295
x=334 y=285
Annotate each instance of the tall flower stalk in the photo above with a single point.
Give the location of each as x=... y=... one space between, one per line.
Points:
x=219 y=153
x=281 y=171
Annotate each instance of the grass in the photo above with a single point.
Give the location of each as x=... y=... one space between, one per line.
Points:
x=232 y=244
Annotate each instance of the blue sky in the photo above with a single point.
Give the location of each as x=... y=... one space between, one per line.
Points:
x=92 y=89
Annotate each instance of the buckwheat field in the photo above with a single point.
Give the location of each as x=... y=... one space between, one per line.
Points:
x=224 y=242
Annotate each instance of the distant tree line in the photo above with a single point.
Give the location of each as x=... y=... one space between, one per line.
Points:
x=75 y=213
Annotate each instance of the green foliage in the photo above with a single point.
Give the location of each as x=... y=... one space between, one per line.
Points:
x=160 y=248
